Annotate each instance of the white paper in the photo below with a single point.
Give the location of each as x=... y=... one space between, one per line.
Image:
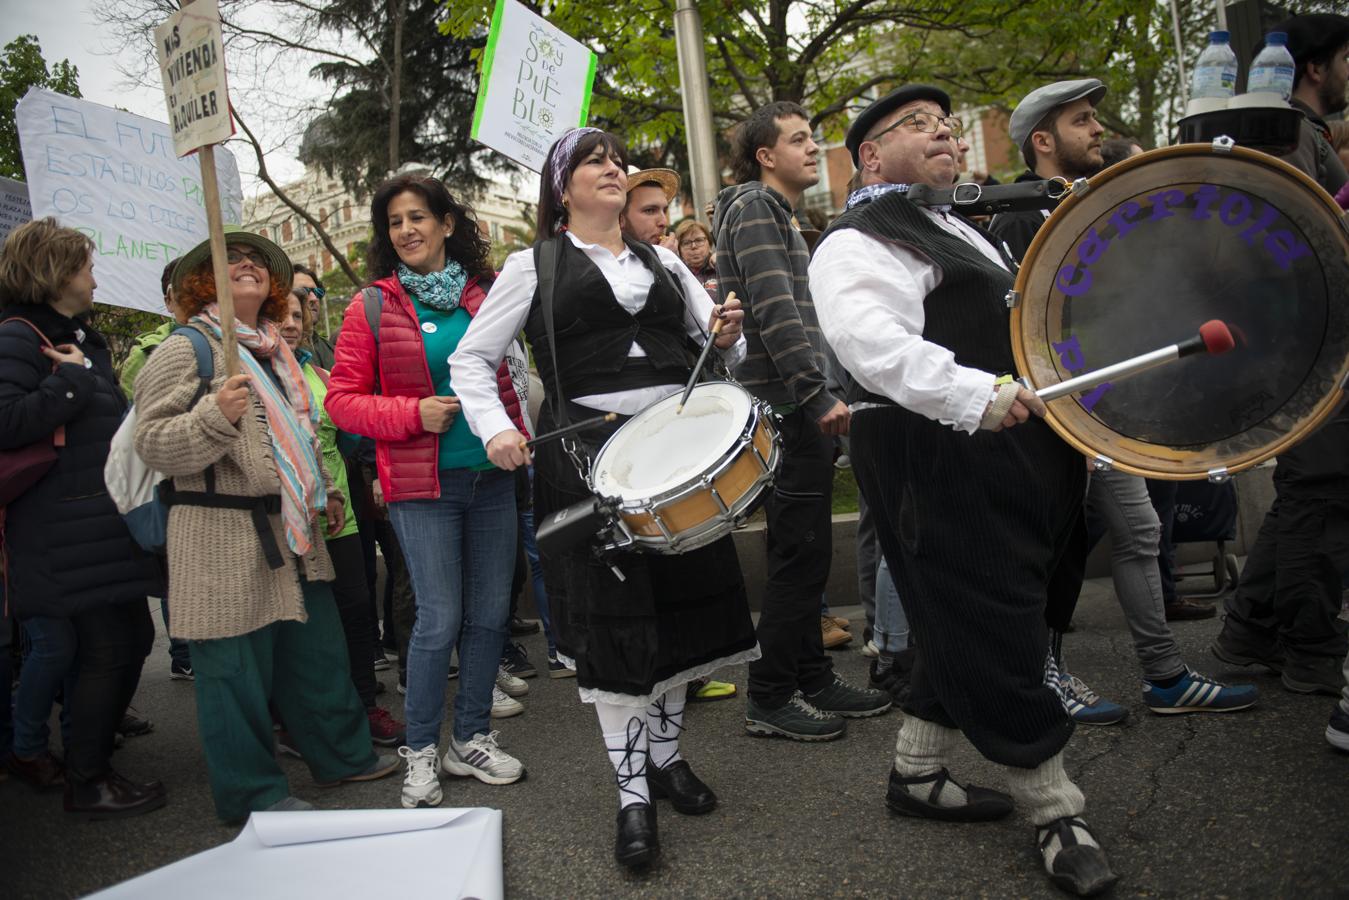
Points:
x=14 y=206
x=535 y=85
x=114 y=176
x=340 y=853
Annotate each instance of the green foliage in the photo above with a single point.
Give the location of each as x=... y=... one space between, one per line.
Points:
x=22 y=67
x=438 y=88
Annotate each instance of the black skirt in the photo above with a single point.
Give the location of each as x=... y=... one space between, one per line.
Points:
x=673 y=618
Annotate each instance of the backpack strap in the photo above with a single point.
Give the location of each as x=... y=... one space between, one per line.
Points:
x=545 y=265
x=205 y=359
x=372 y=299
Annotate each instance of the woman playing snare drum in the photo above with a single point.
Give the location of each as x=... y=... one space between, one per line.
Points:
x=628 y=321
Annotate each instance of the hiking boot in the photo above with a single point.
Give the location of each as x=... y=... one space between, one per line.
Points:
x=831 y=634
x=796 y=719
x=842 y=699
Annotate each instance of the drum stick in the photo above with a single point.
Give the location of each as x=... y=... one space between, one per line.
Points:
x=702 y=358
x=570 y=429
x=1213 y=338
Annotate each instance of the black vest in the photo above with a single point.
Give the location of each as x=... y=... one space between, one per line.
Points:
x=967 y=312
x=593 y=332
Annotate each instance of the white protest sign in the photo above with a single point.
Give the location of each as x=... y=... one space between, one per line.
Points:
x=189 y=47
x=536 y=82
x=115 y=177
x=14 y=208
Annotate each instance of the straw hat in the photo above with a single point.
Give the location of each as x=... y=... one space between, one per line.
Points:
x=668 y=179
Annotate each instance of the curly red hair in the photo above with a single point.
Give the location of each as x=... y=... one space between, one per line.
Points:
x=198 y=291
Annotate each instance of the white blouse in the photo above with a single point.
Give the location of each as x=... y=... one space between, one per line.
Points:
x=474 y=363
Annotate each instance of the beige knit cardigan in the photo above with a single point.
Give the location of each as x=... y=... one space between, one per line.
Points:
x=219 y=583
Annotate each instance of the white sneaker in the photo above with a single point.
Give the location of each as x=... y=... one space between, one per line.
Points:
x=870 y=650
x=511 y=685
x=503 y=706
x=481 y=758
x=421 y=782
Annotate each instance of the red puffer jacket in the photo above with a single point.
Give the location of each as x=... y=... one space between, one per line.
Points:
x=406 y=454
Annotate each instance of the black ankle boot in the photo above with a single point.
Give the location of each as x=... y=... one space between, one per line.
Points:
x=686 y=791
x=637 y=844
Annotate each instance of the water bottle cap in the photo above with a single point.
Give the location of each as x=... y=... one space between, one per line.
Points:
x=1218 y=37
x=1276 y=39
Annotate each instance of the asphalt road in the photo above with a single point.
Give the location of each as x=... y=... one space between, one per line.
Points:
x=1252 y=804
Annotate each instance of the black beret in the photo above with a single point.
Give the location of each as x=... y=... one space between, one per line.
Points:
x=888 y=104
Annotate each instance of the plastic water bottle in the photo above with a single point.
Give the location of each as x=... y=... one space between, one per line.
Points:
x=1215 y=75
x=1272 y=71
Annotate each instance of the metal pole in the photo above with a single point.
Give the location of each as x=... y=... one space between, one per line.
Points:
x=697 y=106
x=1180 y=47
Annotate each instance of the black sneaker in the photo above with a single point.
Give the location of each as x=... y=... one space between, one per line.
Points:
x=842 y=699
x=1337 y=730
x=797 y=720
x=133 y=724
x=515 y=660
x=520 y=627
x=180 y=671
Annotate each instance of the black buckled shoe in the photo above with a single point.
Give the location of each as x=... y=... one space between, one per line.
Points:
x=685 y=791
x=1076 y=867
x=637 y=843
x=981 y=804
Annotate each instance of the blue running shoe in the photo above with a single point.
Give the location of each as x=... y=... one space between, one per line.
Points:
x=1198 y=693
x=1086 y=706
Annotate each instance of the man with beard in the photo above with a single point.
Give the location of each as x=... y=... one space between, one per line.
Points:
x=762 y=259
x=1056 y=128
x=647 y=215
x=975 y=496
x=1319 y=44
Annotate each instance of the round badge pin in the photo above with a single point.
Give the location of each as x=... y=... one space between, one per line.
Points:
x=429 y=327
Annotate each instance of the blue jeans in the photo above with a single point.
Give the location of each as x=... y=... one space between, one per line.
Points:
x=460 y=552
x=178 y=649
x=48 y=667
x=892 y=626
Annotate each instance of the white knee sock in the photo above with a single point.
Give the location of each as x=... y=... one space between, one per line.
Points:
x=921 y=749
x=664 y=722
x=624 y=729
x=1045 y=793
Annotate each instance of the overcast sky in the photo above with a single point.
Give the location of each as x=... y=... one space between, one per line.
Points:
x=66 y=30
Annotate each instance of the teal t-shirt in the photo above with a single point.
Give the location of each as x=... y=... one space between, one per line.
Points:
x=441 y=333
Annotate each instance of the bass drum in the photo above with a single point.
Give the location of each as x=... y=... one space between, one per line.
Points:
x=1156 y=246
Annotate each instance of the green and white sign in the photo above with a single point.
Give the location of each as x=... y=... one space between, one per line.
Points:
x=536 y=83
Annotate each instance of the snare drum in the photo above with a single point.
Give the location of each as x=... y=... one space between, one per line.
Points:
x=682 y=480
x=1156 y=246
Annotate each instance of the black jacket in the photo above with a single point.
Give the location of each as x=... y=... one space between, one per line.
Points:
x=1017 y=229
x=67 y=546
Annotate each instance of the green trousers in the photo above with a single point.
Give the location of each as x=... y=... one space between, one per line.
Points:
x=302 y=669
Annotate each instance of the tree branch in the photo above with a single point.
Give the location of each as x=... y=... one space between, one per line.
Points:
x=299 y=210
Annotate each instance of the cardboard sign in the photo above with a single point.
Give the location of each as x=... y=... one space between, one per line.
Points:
x=114 y=176
x=14 y=208
x=191 y=53
x=536 y=82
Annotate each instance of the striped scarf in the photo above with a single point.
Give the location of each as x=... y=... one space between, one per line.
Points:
x=292 y=420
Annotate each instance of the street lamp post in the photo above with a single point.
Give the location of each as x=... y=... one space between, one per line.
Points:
x=697 y=105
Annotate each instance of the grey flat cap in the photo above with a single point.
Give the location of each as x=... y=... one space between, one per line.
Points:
x=1035 y=105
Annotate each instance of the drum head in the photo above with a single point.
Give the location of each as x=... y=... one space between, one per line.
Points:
x=1158 y=245
x=658 y=450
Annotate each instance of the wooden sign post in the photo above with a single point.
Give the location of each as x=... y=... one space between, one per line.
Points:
x=191 y=52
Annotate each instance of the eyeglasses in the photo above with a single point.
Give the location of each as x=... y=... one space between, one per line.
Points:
x=927 y=123
x=237 y=256
x=316 y=291
x=695 y=242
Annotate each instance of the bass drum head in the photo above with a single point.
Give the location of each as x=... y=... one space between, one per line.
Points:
x=1158 y=245
x=658 y=450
